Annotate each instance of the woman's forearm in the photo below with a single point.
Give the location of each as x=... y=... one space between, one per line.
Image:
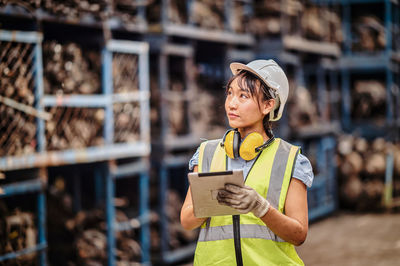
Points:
x=188 y=220
x=287 y=228
x=293 y=225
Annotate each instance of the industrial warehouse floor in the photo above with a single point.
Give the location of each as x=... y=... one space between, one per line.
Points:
x=353 y=239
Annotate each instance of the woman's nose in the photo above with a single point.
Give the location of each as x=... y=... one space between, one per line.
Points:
x=232 y=102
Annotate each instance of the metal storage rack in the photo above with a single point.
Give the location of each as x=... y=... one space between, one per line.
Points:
x=380 y=61
x=171 y=56
x=29 y=43
x=322 y=196
x=113 y=148
x=112 y=54
x=188 y=30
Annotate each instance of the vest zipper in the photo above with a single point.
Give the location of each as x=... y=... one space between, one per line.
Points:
x=236 y=239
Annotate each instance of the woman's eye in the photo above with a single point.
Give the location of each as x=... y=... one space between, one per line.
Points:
x=244 y=96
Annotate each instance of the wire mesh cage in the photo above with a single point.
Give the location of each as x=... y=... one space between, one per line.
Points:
x=126 y=122
x=18 y=100
x=125 y=69
x=74 y=128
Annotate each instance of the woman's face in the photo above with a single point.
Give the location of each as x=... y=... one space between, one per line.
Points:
x=243 y=110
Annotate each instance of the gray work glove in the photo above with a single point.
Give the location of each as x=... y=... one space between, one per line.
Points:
x=243 y=199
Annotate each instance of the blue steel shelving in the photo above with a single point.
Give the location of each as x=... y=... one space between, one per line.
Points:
x=36 y=184
x=111 y=150
x=322 y=197
x=190 y=31
x=113 y=172
x=168 y=142
x=360 y=62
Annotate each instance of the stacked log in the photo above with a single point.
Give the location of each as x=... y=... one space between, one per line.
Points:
x=369 y=34
x=321 y=24
x=208 y=14
x=77 y=10
x=125 y=73
x=267 y=19
x=302 y=110
x=208 y=112
x=178 y=237
x=17 y=232
x=126 y=122
x=177 y=109
x=369 y=99
x=30 y=5
x=17 y=127
x=69 y=69
x=74 y=128
x=361 y=169
x=127 y=11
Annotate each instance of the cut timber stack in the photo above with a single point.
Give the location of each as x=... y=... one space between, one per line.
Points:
x=68 y=69
x=177 y=235
x=208 y=14
x=76 y=10
x=369 y=34
x=17 y=232
x=74 y=128
x=302 y=110
x=267 y=19
x=321 y=24
x=369 y=99
x=362 y=166
x=17 y=112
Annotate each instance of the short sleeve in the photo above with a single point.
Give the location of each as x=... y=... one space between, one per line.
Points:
x=194 y=160
x=303 y=170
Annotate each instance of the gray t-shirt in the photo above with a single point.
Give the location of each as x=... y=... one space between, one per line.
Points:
x=302 y=168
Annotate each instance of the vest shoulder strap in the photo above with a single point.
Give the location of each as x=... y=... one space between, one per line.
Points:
x=206 y=154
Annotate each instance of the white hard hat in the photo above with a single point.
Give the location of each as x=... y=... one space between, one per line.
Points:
x=272 y=74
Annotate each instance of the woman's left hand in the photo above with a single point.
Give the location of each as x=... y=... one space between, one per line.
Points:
x=244 y=199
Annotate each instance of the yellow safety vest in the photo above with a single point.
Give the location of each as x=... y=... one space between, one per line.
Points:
x=245 y=239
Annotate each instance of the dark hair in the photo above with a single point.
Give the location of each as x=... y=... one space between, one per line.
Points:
x=247 y=80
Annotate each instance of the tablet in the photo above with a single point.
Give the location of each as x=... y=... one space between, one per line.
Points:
x=204 y=188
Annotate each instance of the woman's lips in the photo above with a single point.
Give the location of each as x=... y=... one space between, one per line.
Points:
x=232 y=115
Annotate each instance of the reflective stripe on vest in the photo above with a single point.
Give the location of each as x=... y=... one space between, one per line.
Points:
x=270 y=177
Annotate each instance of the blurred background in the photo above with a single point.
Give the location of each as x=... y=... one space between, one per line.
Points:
x=103 y=103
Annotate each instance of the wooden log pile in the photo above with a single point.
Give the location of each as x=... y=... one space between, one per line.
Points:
x=177 y=235
x=302 y=110
x=77 y=10
x=208 y=14
x=17 y=232
x=17 y=126
x=177 y=108
x=69 y=69
x=125 y=73
x=370 y=34
x=126 y=122
x=361 y=169
x=127 y=11
x=267 y=19
x=74 y=128
x=369 y=99
x=321 y=24
x=208 y=112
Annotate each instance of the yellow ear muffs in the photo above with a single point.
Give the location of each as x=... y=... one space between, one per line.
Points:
x=231 y=143
x=248 y=146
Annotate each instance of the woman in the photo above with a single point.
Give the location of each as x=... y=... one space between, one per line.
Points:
x=273 y=201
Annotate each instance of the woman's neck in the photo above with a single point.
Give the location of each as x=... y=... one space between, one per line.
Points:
x=246 y=131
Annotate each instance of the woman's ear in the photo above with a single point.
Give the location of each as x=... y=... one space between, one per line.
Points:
x=268 y=106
